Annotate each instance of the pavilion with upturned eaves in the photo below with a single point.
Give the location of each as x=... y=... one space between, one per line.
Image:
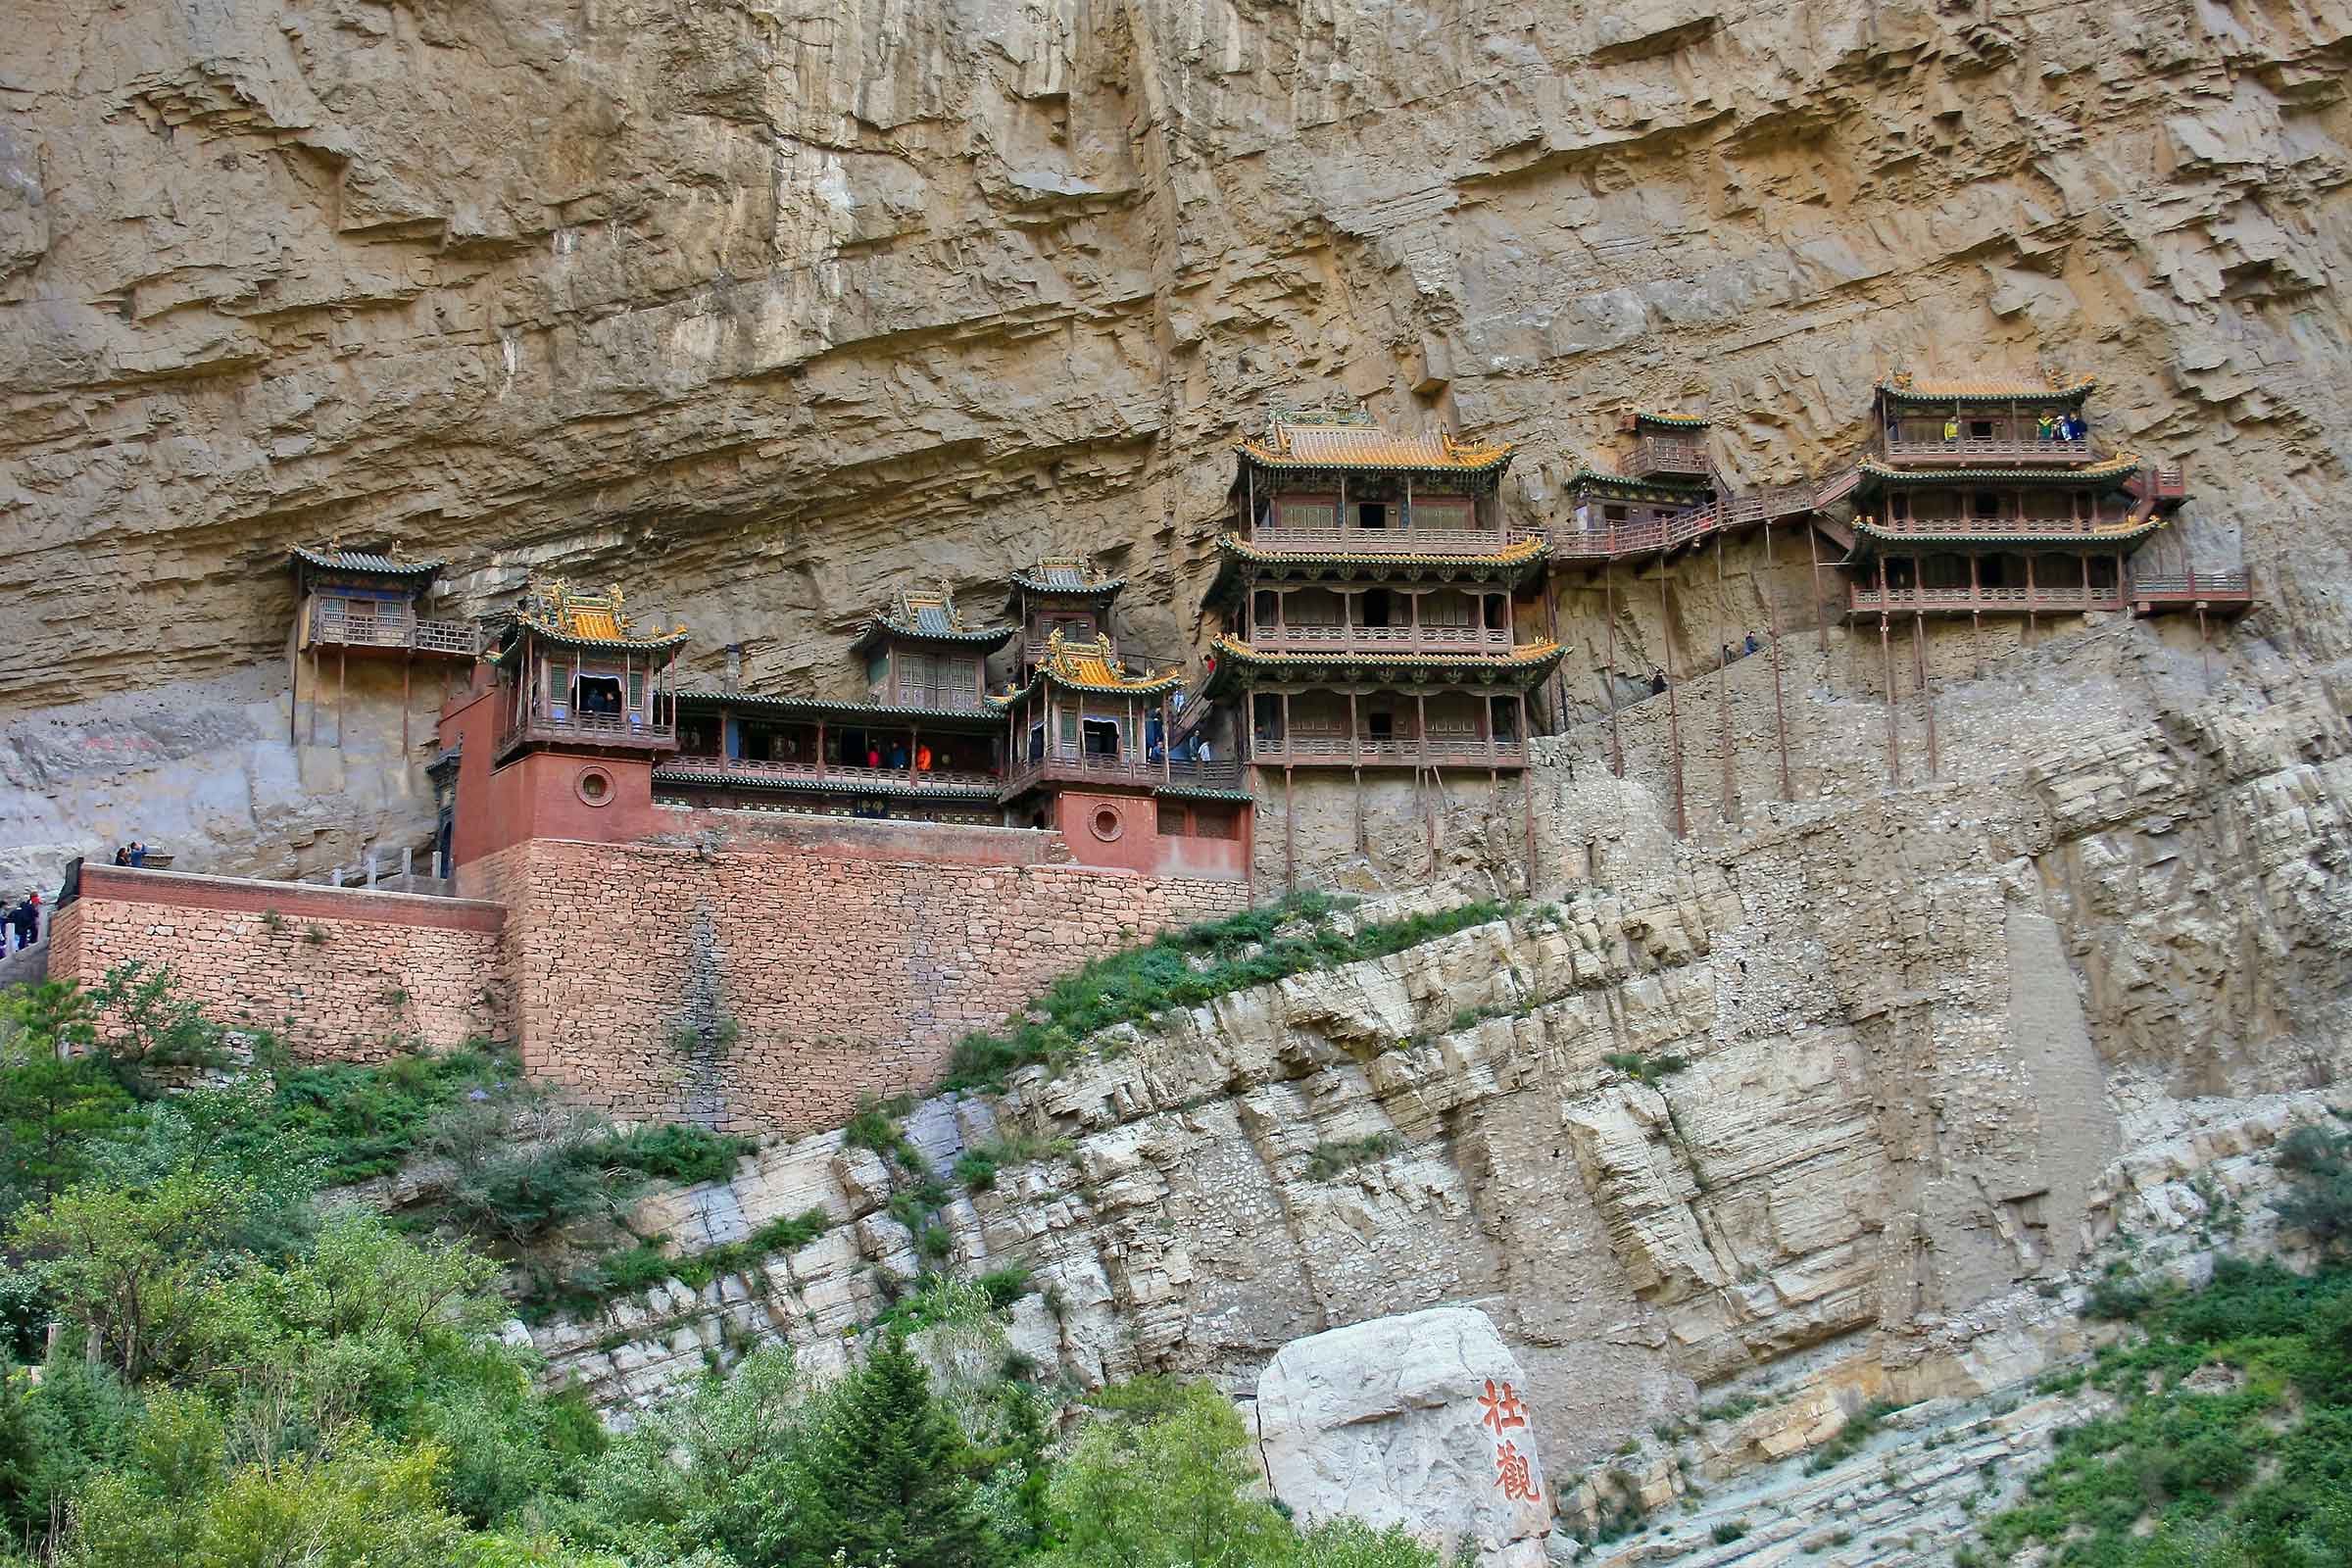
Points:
x=1991 y=497
x=925 y=745
x=365 y=603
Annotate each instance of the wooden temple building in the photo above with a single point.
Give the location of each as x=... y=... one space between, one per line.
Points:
x=362 y=602
x=1989 y=496
x=570 y=709
x=1370 y=591
x=925 y=744
x=1094 y=745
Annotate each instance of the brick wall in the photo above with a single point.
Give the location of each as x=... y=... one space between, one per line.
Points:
x=340 y=973
x=772 y=986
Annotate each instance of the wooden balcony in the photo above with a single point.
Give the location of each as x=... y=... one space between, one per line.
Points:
x=607 y=731
x=721 y=769
x=1981 y=450
x=1274 y=538
x=453 y=639
x=1302 y=748
x=1656 y=454
x=1060 y=765
x=2038 y=601
x=2223 y=593
x=1375 y=640
x=1971 y=527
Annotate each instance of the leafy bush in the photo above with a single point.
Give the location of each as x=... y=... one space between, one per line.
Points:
x=1187 y=968
x=977 y=1166
x=2319 y=1196
x=2256 y=1473
x=674 y=1152
x=1331 y=1160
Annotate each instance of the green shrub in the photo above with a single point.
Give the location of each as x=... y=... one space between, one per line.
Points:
x=1729 y=1531
x=674 y=1152
x=1849 y=1438
x=2319 y=1198
x=1335 y=1159
x=1184 y=969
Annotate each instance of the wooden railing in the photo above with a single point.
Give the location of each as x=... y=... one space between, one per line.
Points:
x=1382 y=639
x=592 y=729
x=2193 y=588
x=1864 y=599
x=1731 y=513
x=1984 y=449
x=1385 y=541
x=333 y=628
x=1998 y=527
x=1086 y=766
x=716 y=768
x=1657 y=453
x=1310 y=749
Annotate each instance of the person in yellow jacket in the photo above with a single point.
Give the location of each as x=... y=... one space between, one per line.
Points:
x=1952 y=430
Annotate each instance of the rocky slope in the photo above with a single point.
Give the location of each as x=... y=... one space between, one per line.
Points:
x=757 y=307
x=1939 y=1046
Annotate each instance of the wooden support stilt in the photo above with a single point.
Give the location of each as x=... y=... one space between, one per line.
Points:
x=1894 y=762
x=1609 y=666
x=1821 y=620
x=1674 y=727
x=313 y=694
x=342 y=675
x=1290 y=830
x=406 y=662
x=2030 y=627
x=1559 y=674
x=1723 y=687
x=2204 y=652
x=1772 y=629
x=1927 y=690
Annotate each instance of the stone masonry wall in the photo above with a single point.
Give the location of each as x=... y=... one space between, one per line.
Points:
x=339 y=973
x=771 y=986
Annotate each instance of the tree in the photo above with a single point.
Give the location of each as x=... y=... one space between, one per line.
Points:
x=1352 y=1544
x=56 y=1099
x=1169 y=1493
x=882 y=1476
x=132 y=1265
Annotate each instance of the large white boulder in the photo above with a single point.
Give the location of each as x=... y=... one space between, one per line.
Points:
x=1419 y=1420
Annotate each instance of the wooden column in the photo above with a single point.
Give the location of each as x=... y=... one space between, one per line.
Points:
x=2030 y=611
x=1926 y=692
x=914 y=746
x=1894 y=765
x=342 y=674
x=1772 y=629
x=1290 y=819
x=408 y=661
x=1608 y=663
x=1723 y=686
x=1527 y=793
x=1674 y=729
x=1821 y=620
x=821 y=744
x=1429 y=813
x=1355 y=772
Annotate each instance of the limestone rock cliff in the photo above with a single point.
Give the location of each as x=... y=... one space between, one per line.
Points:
x=757 y=307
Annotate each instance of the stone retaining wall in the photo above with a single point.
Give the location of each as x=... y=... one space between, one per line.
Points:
x=341 y=973
x=771 y=986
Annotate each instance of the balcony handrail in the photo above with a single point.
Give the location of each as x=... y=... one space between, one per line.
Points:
x=1388 y=638
x=397 y=628
x=1653 y=454
x=1216 y=773
x=832 y=772
x=595 y=727
x=1971 y=523
x=1440 y=745
x=1974 y=446
x=1387 y=541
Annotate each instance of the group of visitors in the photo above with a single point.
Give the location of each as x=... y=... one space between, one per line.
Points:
x=24 y=923
x=2049 y=426
x=132 y=854
x=1751 y=644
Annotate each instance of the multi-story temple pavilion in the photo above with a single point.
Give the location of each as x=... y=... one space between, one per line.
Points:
x=925 y=744
x=1992 y=497
x=1369 y=593
x=361 y=602
x=574 y=704
x=1062 y=595
x=1094 y=745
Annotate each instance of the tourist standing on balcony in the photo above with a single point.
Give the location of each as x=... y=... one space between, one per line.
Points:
x=121 y=855
x=1952 y=429
x=138 y=852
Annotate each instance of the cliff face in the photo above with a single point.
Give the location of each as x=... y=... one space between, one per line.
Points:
x=755 y=306
x=1845 y=1100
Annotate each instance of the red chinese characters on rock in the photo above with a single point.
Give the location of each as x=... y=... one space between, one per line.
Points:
x=1516 y=1476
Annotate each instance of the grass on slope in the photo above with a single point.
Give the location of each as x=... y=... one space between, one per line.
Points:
x=2233 y=1444
x=1187 y=968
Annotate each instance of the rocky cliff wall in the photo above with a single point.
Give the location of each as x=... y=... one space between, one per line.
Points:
x=1843 y=1099
x=757 y=308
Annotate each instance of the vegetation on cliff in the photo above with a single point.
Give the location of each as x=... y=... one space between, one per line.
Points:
x=1185 y=967
x=208 y=1363
x=2229 y=1443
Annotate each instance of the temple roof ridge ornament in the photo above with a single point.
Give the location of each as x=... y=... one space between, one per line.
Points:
x=1089 y=664
x=1325 y=439
x=1067 y=576
x=930 y=615
x=2054 y=387
x=552 y=609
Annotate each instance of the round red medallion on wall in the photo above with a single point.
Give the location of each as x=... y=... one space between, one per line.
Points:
x=1106 y=823
x=594 y=786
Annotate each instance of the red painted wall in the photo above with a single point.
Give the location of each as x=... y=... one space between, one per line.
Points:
x=538 y=795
